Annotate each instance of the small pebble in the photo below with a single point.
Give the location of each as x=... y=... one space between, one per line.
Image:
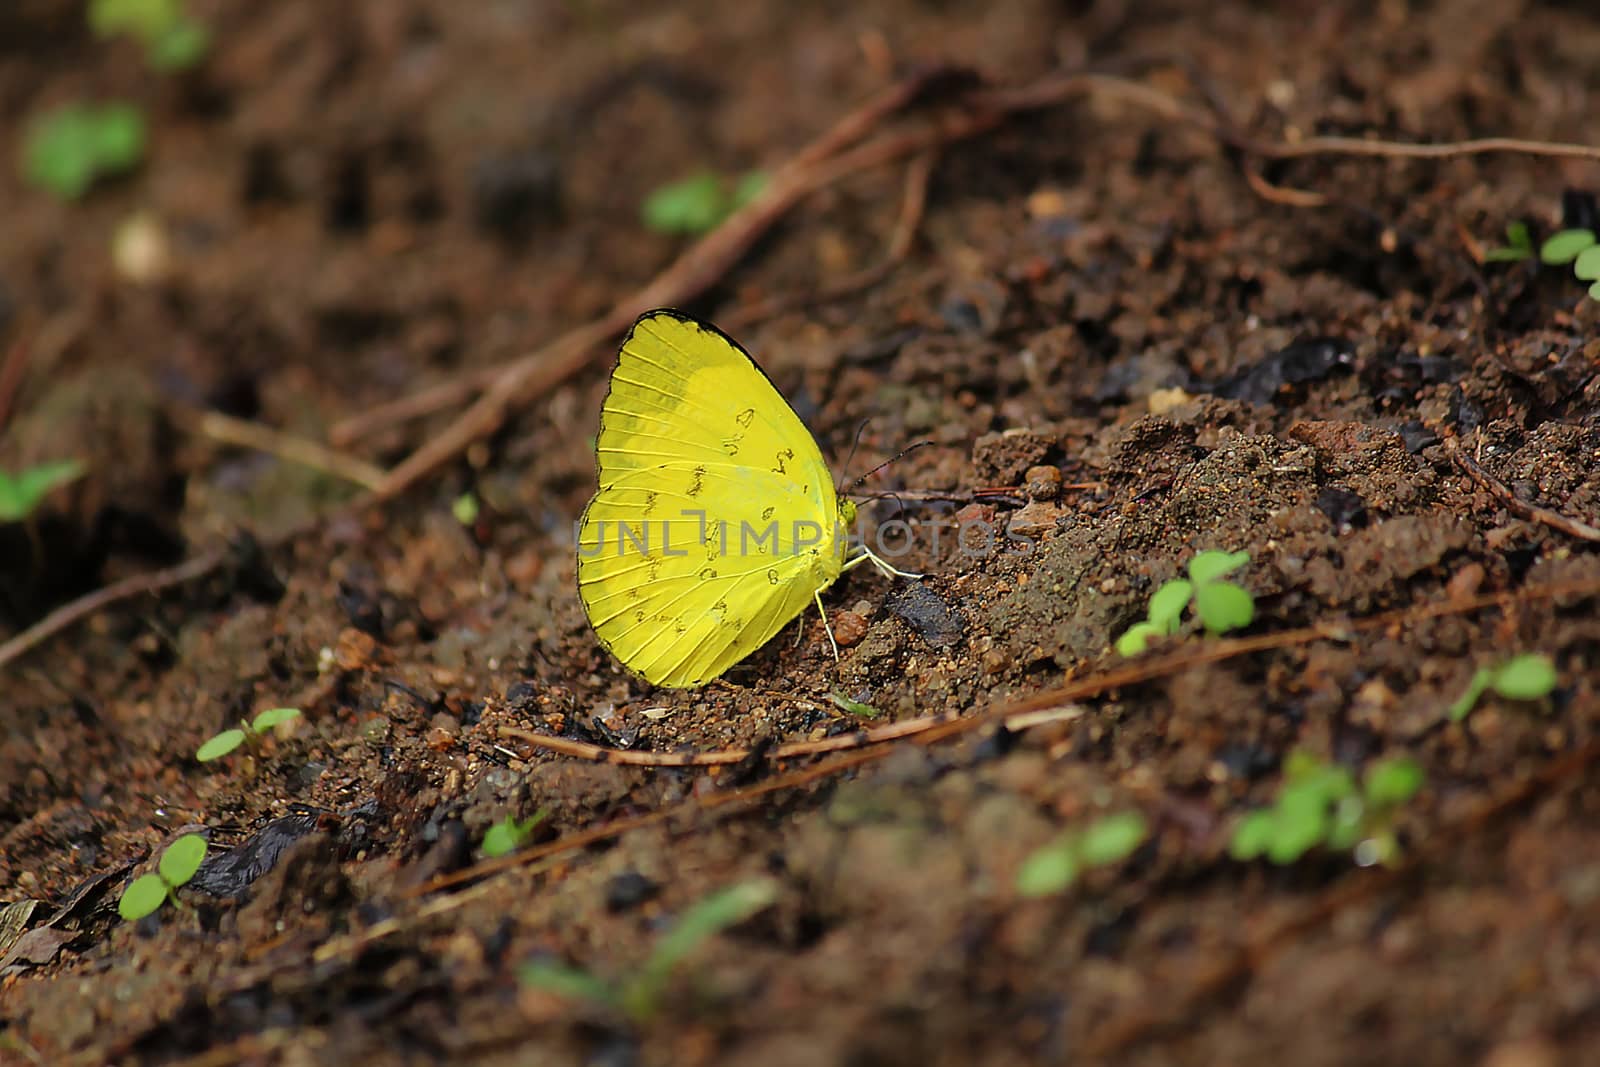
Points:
x=848 y=628
x=1042 y=483
x=1035 y=520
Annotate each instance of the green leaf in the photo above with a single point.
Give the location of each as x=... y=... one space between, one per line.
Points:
x=465 y=509
x=1167 y=604
x=692 y=206
x=1299 y=827
x=1210 y=565
x=22 y=493
x=273 y=717
x=502 y=838
x=1531 y=676
x=1254 y=835
x=1224 y=606
x=119 y=136
x=508 y=835
x=182 y=858
x=1594 y=291
x=1519 y=243
x=1049 y=869
x=70 y=147
x=1137 y=639
x=144 y=895
x=1112 y=838
x=1392 y=782
x=1346 y=824
x=854 y=707
x=705 y=920
x=1587 y=265
x=1469 y=699
x=220 y=746
x=1564 y=247
x=566 y=982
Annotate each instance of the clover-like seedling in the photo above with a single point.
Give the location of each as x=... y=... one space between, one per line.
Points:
x=1320 y=804
x=1530 y=676
x=639 y=995
x=1518 y=246
x=700 y=203
x=148 y=892
x=508 y=835
x=74 y=146
x=1220 y=605
x=1053 y=867
x=228 y=740
x=1579 y=248
x=23 y=492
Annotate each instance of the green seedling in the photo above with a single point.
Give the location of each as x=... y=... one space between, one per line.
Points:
x=148 y=892
x=853 y=707
x=508 y=835
x=1053 y=867
x=1579 y=248
x=228 y=740
x=171 y=39
x=639 y=995
x=1530 y=676
x=1220 y=605
x=466 y=509
x=699 y=204
x=1518 y=246
x=1321 y=804
x=23 y=492
x=69 y=149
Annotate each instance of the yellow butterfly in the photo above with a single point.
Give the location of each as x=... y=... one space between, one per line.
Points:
x=716 y=521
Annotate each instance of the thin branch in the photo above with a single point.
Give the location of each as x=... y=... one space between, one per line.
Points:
x=1553 y=519
x=84 y=606
x=300 y=450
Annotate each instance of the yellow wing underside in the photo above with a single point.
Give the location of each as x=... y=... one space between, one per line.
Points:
x=716 y=520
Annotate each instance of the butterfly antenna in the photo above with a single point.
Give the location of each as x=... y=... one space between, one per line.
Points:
x=904 y=452
x=856 y=443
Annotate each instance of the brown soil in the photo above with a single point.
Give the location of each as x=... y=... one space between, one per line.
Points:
x=359 y=201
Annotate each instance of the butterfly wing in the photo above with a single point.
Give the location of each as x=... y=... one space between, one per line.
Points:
x=715 y=521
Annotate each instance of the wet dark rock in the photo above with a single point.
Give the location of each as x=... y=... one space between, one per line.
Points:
x=1417 y=436
x=231 y=873
x=628 y=890
x=1300 y=363
x=922 y=610
x=1344 y=508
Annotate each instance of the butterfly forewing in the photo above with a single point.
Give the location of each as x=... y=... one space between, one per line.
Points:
x=699 y=544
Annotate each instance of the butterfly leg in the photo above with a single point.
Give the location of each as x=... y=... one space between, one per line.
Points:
x=884 y=567
x=817 y=594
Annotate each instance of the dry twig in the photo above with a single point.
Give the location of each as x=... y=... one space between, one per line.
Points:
x=1553 y=519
